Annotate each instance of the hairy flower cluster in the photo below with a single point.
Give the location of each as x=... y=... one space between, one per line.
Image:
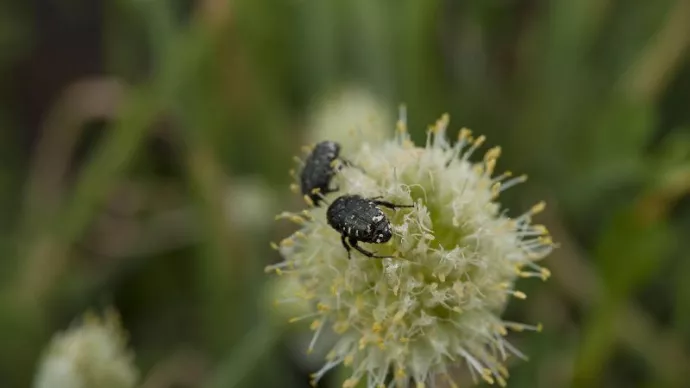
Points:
x=456 y=257
x=91 y=354
x=349 y=116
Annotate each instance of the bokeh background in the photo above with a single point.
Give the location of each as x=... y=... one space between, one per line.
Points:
x=145 y=149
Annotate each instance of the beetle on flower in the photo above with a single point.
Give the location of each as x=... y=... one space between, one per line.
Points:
x=446 y=272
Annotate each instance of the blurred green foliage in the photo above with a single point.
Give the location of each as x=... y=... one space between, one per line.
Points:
x=127 y=125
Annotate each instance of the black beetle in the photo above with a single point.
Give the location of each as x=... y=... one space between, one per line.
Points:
x=318 y=170
x=359 y=219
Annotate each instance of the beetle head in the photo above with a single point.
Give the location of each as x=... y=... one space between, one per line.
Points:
x=382 y=232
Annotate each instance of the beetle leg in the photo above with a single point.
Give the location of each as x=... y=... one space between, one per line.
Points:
x=347 y=247
x=347 y=163
x=363 y=251
x=389 y=204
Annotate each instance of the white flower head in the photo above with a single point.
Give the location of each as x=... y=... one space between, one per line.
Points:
x=437 y=302
x=91 y=354
x=350 y=116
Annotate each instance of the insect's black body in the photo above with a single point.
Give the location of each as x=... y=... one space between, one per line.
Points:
x=359 y=219
x=318 y=171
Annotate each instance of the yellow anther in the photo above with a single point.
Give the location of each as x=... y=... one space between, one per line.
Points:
x=287 y=242
x=501 y=381
x=297 y=220
x=421 y=385
x=362 y=343
x=274 y=246
x=502 y=330
x=279 y=271
x=441 y=277
x=464 y=134
x=404 y=340
x=340 y=327
x=541 y=229
x=376 y=327
x=540 y=327
x=350 y=383
x=520 y=295
x=315 y=325
x=546 y=240
x=545 y=274
x=400 y=373
x=479 y=141
x=496 y=189
x=490 y=166
x=538 y=208
x=493 y=153
x=313 y=383
x=308 y=201
x=486 y=375
x=347 y=361
x=294 y=188
x=503 y=371
x=322 y=307
x=504 y=285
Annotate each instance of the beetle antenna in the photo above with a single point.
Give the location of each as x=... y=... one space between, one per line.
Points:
x=348 y=163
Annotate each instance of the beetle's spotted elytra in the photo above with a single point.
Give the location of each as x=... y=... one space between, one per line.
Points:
x=360 y=219
x=318 y=171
